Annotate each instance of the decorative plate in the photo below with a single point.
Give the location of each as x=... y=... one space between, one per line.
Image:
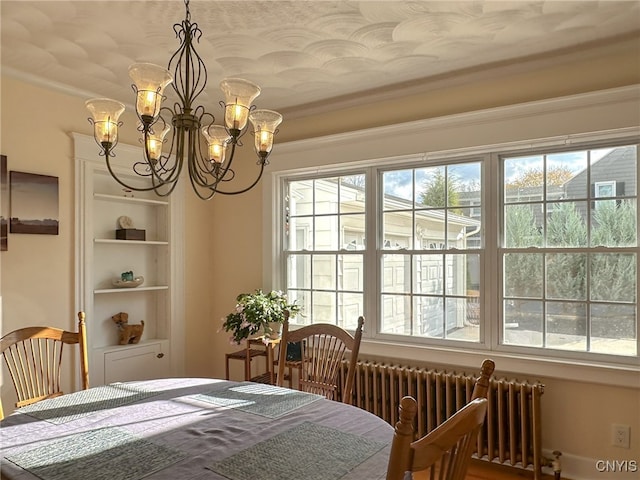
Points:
x=125 y=222
x=136 y=282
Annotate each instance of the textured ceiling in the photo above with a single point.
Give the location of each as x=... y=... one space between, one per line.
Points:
x=300 y=52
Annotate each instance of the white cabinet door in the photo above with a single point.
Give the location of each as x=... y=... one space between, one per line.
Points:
x=143 y=362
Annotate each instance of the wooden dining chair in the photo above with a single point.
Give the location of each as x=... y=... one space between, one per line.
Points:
x=33 y=356
x=445 y=452
x=324 y=347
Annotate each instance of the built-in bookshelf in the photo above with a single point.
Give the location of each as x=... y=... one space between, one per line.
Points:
x=102 y=207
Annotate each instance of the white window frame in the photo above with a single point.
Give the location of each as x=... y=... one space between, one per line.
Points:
x=548 y=123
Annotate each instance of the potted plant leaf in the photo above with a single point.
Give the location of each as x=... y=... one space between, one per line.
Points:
x=258 y=313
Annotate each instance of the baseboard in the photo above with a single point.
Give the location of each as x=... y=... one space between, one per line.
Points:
x=574 y=467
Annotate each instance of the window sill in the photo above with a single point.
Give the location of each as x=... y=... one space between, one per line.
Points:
x=507 y=363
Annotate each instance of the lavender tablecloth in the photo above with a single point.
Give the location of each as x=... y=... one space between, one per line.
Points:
x=191 y=438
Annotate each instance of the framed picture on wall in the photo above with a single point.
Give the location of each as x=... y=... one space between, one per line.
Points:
x=34 y=203
x=4 y=204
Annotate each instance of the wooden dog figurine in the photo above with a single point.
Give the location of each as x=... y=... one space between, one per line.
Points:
x=127 y=333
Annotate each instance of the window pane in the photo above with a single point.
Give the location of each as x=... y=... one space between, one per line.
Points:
x=430 y=229
x=465 y=178
x=326 y=196
x=523 y=323
x=523 y=275
x=429 y=274
x=299 y=230
x=301 y=198
x=566 y=278
x=464 y=231
x=352 y=194
x=324 y=272
x=523 y=226
x=430 y=315
x=613 y=172
x=326 y=233
x=566 y=225
x=614 y=223
x=458 y=328
x=396 y=314
x=324 y=307
x=566 y=326
x=523 y=179
x=463 y=273
x=566 y=175
x=351 y=307
x=397 y=230
x=352 y=232
x=613 y=277
x=303 y=298
x=299 y=271
x=431 y=188
x=396 y=273
x=614 y=329
x=350 y=272
x=397 y=188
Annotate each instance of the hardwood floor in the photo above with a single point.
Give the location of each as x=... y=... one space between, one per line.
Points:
x=481 y=470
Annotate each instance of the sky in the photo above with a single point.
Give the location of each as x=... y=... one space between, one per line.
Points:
x=399 y=182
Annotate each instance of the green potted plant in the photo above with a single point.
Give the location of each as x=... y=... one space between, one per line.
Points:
x=258 y=313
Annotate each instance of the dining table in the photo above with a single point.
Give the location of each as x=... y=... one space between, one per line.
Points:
x=193 y=429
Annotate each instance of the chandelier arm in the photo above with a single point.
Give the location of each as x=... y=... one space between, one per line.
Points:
x=255 y=182
x=198 y=182
x=195 y=169
x=121 y=182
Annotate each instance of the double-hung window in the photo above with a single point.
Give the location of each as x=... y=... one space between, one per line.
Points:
x=429 y=251
x=324 y=247
x=569 y=250
x=517 y=250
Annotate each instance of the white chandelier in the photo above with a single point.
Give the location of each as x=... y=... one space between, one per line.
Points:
x=206 y=156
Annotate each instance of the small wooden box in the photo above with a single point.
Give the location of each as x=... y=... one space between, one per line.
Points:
x=130 y=234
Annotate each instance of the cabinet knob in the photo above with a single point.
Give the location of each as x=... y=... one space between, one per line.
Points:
x=160 y=355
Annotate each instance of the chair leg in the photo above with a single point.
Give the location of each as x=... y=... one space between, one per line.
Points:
x=247 y=365
x=227 y=366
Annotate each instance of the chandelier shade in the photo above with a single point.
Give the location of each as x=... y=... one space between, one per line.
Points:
x=217 y=139
x=149 y=82
x=207 y=148
x=265 y=123
x=105 y=113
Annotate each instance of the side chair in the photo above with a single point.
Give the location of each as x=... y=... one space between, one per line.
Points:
x=445 y=452
x=33 y=356
x=324 y=347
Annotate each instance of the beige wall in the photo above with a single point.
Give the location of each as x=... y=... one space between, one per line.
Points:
x=223 y=251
